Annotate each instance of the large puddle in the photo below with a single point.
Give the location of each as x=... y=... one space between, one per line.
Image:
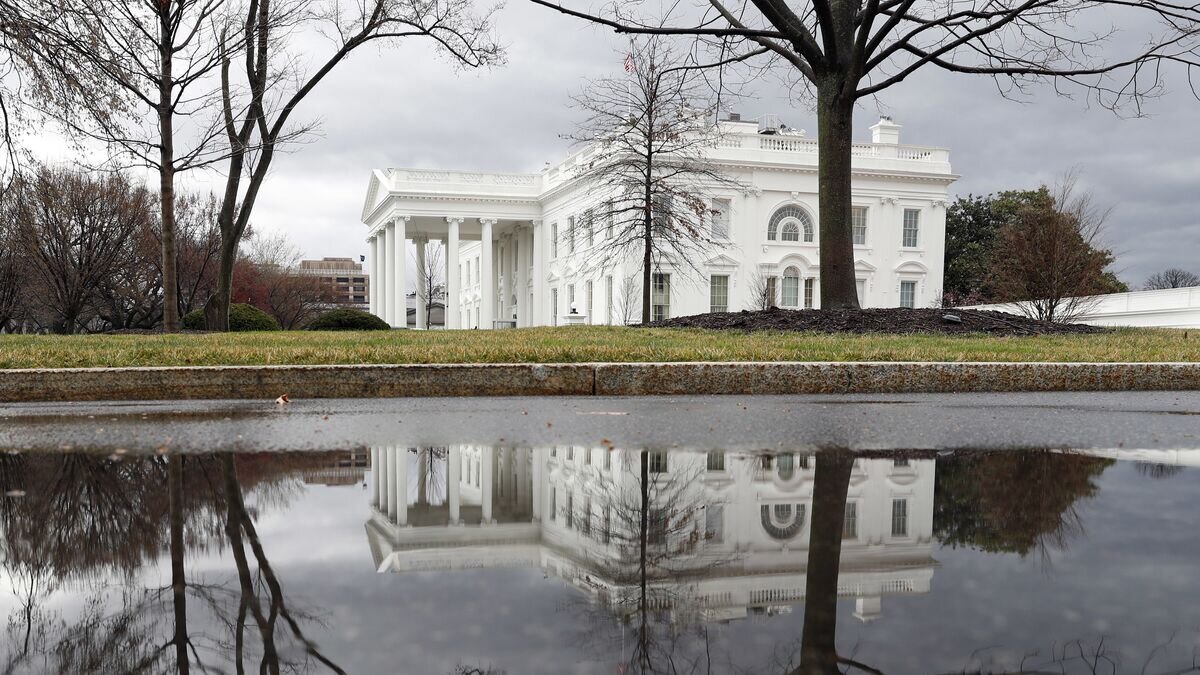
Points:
x=600 y=559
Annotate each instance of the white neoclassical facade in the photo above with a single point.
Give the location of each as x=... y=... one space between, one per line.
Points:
x=741 y=548
x=515 y=255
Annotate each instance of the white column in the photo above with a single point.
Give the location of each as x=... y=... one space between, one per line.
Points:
x=422 y=283
x=539 y=460
x=384 y=479
x=487 y=462
x=522 y=276
x=374 y=285
x=375 y=469
x=487 y=289
x=391 y=483
x=537 y=311
x=399 y=286
x=453 y=318
x=453 y=481
x=389 y=266
x=401 y=491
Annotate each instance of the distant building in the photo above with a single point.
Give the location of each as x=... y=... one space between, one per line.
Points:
x=437 y=313
x=348 y=285
x=1165 y=308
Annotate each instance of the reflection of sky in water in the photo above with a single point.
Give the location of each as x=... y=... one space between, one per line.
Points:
x=1130 y=577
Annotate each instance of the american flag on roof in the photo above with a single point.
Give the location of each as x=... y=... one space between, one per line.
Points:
x=629 y=63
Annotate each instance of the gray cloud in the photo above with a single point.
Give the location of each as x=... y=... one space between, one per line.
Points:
x=405 y=107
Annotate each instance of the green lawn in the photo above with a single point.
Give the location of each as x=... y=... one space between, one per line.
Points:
x=578 y=344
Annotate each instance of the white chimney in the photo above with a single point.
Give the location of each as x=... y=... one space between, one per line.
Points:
x=885 y=131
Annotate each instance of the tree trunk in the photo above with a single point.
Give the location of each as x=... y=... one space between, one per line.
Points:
x=647 y=258
x=166 y=174
x=835 y=119
x=216 y=310
x=178 y=579
x=818 y=648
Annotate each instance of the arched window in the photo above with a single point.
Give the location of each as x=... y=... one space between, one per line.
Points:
x=791 y=223
x=784 y=521
x=791 y=287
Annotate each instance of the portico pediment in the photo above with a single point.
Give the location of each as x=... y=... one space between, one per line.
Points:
x=721 y=261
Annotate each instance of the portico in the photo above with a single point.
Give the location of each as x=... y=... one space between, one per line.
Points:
x=492 y=288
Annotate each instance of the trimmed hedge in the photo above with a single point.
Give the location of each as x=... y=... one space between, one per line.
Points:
x=348 y=319
x=242 y=317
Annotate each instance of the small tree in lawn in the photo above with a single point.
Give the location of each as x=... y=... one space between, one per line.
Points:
x=629 y=300
x=1171 y=278
x=259 y=105
x=431 y=279
x=650 y=131
x=762 y=292
x=841 y=52
x=1049 y=260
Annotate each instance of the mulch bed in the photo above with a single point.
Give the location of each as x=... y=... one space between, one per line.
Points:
x=896 y=321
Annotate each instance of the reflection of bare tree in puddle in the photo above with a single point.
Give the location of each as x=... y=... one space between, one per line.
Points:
x=122 y=510
x=648 y=524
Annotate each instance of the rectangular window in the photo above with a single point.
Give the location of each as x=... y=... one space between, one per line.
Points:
x=553 y=240
x=720 y=218
x=589 y=232
x=570 y=514
x=553 y=306
x=553 y=504
x=571 y=234
x=607 y=532
x=608 y=460
x=908 y=294
x=608 y=300
x=714 y=522
x=791 y=291
x=899 y=517
x=468 y=280
x=850 y=524
x=858 y=222
x=570 y=453
x=718 y=295
x=660 y=300
x=478 y=270
x=716 y=460
x=809 y=284
x=770 y=292
x=658 y=461
x=570 y=298
x=587 y=309
x=861 y=287
x=912 y=227
x=609 y=219
x=900 y=462
x=585 y=520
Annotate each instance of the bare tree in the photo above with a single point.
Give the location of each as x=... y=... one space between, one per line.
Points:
x=292 y=298
x=843 y=51
x=138 y=76
x=651 y=131
x=76 y=233
x=762 y=291
x=629 y=300
x=1171 y=278
x=1048 y=260
x=257 y=113
x=431 y=279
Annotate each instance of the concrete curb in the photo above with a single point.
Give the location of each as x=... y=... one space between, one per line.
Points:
x=584 y=379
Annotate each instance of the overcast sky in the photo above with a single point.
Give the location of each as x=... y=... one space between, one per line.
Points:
x=403 y=107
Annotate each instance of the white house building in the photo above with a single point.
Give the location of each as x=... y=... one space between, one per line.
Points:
x=513 y=257
x=742 y=548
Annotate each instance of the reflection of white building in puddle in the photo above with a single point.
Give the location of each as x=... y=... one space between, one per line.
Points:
x=741 y=547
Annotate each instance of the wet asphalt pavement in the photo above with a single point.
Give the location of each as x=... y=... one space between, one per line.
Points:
x=1116 y=420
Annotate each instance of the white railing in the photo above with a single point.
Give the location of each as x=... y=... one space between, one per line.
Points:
x=468 y=177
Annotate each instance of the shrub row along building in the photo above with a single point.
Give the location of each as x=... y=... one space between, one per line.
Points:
x=517 y=245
